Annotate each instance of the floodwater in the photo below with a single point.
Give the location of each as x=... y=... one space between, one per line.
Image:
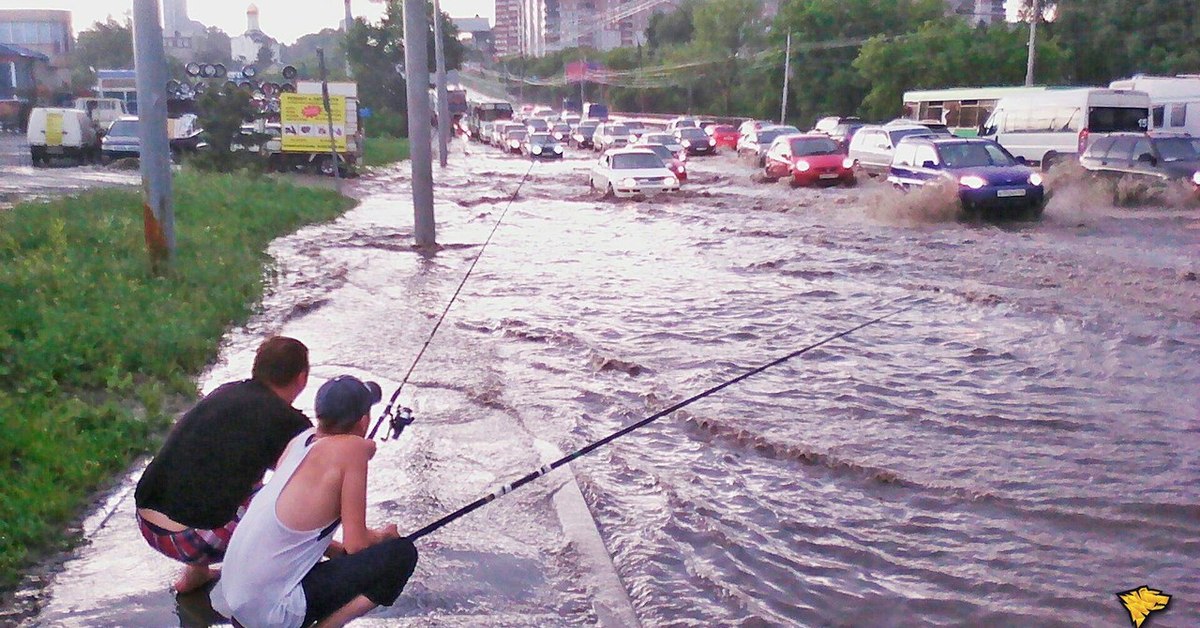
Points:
x=20 y=181
x=1016 y=449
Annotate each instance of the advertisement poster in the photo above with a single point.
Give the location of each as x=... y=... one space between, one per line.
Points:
x=306 y=125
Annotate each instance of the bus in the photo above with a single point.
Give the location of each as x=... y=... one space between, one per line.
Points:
x=961 y=109
x=1056 y=125
x=488 y=111
x=1174 y=101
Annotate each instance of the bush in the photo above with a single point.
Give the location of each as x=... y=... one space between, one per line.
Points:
x=386 y=123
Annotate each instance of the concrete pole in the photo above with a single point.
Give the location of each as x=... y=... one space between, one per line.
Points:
x=416 y=62
x=349 y=22
x=787 y=74
x=333 y=154
x=158 y=213
x=443 y=96
x=1033 y=24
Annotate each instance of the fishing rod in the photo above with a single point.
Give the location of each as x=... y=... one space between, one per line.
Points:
x=397 y=422
x=533 y=475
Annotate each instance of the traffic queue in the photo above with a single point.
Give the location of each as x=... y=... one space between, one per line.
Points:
x=637 y=160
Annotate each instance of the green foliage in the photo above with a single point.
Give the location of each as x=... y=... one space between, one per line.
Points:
x=103 y=45
x=221 y=115
x=383 y=151
x=943 y=53
x=1109 y=39
x=375 y=49
x=386 y=123
x=671 y=28
x=92 y=342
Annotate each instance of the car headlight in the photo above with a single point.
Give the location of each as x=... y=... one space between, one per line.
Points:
x=1196 y=178
x=536 y=150
x=847 y=163
x=712 y=142
x=687 y=143
x=1035 y=179
x=558 y=149
x=670 y=181
x=629 y=182
x=972 y=181
x=803 y=166
x=558 y=136
x=514 y=143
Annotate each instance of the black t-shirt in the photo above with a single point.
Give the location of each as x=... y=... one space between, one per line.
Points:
x=217 y=452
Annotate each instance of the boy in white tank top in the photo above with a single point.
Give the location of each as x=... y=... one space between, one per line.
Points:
x=274 y=573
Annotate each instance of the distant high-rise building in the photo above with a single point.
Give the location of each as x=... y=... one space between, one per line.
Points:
x=546 y=26
x=181 y=34
x=507 y=32
x=979 y=11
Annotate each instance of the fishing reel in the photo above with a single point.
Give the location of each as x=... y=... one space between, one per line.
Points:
x=397 y=422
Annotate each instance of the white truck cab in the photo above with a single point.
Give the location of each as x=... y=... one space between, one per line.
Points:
x=56 y=132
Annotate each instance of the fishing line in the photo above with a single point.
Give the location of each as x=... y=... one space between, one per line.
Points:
x=397 y=423
x=533 y=475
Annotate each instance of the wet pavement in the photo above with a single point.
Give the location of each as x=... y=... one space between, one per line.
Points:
x=20 y=181
x=1016 y=449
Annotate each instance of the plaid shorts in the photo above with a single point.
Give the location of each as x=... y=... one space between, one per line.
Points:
x=192 y=546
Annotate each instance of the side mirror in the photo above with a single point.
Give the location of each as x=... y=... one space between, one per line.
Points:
x=1147 y=158
x=1021 y=160
x=929 y=165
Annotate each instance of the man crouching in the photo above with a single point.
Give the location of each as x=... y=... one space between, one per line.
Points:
x=273 y=574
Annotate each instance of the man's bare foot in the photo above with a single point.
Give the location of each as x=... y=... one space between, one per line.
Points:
x=194 y=577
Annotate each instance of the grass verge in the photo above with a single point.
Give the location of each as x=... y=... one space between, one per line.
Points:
x=92 y=345
x=381 y=151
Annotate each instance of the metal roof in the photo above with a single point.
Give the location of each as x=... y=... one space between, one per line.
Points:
x=13 y=50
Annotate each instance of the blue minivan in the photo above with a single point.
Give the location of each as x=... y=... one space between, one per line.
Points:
x=988 y=176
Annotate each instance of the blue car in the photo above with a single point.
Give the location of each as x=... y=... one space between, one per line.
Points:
x=988 y=177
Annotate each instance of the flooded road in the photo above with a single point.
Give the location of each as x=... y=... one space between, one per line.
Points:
x=1016 y=449
x=20 y=181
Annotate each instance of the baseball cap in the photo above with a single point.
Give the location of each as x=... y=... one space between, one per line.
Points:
x=345 y=399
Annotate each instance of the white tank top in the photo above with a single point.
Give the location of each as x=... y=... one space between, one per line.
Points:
x=266 y=560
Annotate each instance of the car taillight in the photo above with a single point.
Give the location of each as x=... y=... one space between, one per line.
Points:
x=1083 y=140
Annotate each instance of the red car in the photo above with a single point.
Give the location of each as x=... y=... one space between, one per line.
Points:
x=809 y=159
x=726 y=136
x=676 y=165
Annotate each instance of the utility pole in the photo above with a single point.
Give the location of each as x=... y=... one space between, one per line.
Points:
x=443 y=112
x=333 y=154
x=416 y=61
x=787 y=74
x=158 y=213
x=349 y=22
x=1033 y=24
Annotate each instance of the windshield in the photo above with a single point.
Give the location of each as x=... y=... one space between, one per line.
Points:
x=618 y=129
x=562 y=127
x=693 y=133
x=815 y=146
x=663 y=152
x=767 y=136
x=1178 y=148
x=1117 y=119
x=124 y=128
x=725 y=129
x=658 y=138
x=973 y=155
x=516 y=135
x=898 y=135
x=541 y=138
x=539 y=125
x=587 y=129
x=636 y=161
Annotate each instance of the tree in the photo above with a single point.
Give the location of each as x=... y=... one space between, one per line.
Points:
x=947 y=53
x=215 y=47
x=671 y=28
x=266 y=56
x=102 y=46
x=1111 y=39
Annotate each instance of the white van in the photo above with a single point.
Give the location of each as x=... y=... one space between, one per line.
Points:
x=1174 y=101
x=61 y=133
x=1057 y=124
x=102 y=111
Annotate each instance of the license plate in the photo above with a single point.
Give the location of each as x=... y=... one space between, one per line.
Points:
x=1009 y=193
x=829 y=176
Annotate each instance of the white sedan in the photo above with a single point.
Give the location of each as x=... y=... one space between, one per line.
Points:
x=629 y=172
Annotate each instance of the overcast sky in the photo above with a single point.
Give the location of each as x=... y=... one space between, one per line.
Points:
x=284 y=20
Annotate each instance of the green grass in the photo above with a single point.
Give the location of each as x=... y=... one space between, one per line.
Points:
x=381 y=151
x=93 y=346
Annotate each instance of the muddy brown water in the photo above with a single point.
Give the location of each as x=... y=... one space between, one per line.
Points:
x=1015 y=450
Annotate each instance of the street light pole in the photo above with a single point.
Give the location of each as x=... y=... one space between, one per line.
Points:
x=158 y=214
x=1033 y=24
x=443 y=112
x=787 y=74
x=416 y=62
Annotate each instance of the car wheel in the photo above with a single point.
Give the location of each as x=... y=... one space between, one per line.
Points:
x=1048 y=161
x=326 y=166
x=609 y=192
x=793 y=182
